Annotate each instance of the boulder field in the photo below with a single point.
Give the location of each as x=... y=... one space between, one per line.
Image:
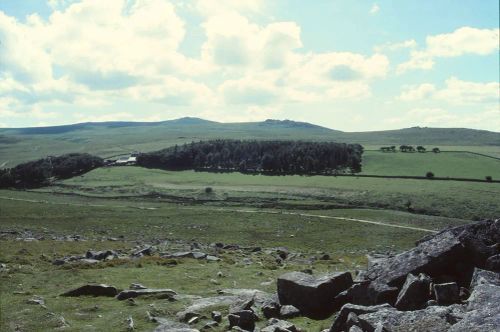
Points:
x=449 y=282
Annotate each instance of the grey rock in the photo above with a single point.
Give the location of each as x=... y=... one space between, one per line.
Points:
x=289 y=311
x=493 y=263
x=216 y=316
x=447 y=293
x=137 y=286
x=449 y=255
x=211 y=258
x=133 y=293
x=100 y=255
x=355 y=328
x=38 y=300
x=340 y=322
x=366 y=293
x=271 y=309
x=244 y=319
x=277 y=325
x=312 y=296
x=480 y=277
x=93 y=290
x=170 y=326
x=210 y=325
x=186 y=254
x=241 y=305
x=482 y=310
x=414 y=293
x=431 y=319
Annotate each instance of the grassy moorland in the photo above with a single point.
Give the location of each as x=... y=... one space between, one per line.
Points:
x=121 y=224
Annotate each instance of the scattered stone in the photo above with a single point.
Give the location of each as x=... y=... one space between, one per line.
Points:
x=147 y=251
x=312 y=296
x=100 y=255
x=244 y=319
x=447 y=293
x=130 y=323
x=414 y=293
x=194 y=320
x=211 y=258
x=355 y=328
x=38 y=300
x=289 y=311
x=187 y=254
x=136 y=286
x=159 y=293
x=277 y=325
x=216 y=316
x=271 y=309
x=93 y=290
x=58 y=261
x=210 y=325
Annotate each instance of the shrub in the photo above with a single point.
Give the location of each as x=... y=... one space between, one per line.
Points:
x=489 y=178
x=209 y=190
x=429 y=175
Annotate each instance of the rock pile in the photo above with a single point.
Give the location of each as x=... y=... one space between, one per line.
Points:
x=449 y=282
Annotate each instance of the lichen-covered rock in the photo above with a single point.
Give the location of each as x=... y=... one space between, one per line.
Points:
x=277 y=325
x=244 y=319
x=431 y=319
x=312 y=296
x=452 y=253
x=482 y=310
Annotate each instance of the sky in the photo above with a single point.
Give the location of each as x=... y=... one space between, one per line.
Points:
x=344 y=64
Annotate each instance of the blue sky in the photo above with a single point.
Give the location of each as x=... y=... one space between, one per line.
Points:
x=348 y=65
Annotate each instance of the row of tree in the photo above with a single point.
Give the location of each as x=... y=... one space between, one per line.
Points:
x=43 y=171
x=275 y=157
x=407 y=148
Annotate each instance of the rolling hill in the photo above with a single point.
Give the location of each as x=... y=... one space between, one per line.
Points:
x=108 y=139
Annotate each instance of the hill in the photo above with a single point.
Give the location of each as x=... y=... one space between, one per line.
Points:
x=108 y=139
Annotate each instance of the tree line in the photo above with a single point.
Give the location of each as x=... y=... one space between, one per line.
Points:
x=407 y=148
x=43 y=171
x=272 y=157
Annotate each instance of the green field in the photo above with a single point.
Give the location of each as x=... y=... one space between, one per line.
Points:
x=435 y=197
x=444 y=164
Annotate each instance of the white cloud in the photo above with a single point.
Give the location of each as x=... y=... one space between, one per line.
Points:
x=437 y=117
x=456 y=92
x=419 y=92
x=391 y=47
x=465 y=40
x=375 y=9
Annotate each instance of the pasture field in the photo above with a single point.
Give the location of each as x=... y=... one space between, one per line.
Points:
x=122 y=224
x=444 y=164
x=468 y=200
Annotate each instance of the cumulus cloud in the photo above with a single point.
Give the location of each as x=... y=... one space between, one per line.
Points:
x=455 y=92
x=465 y=40
x=392 y=47
x=439 y=117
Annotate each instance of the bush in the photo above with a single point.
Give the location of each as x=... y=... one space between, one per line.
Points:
x=429 y=175
x=489 y=178
x=208 y=190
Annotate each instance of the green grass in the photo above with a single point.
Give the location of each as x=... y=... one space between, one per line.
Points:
x=96 y=219
x=445 y=164
x=444 y=198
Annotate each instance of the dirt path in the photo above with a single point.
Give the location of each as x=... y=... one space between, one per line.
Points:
x=309 y=215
